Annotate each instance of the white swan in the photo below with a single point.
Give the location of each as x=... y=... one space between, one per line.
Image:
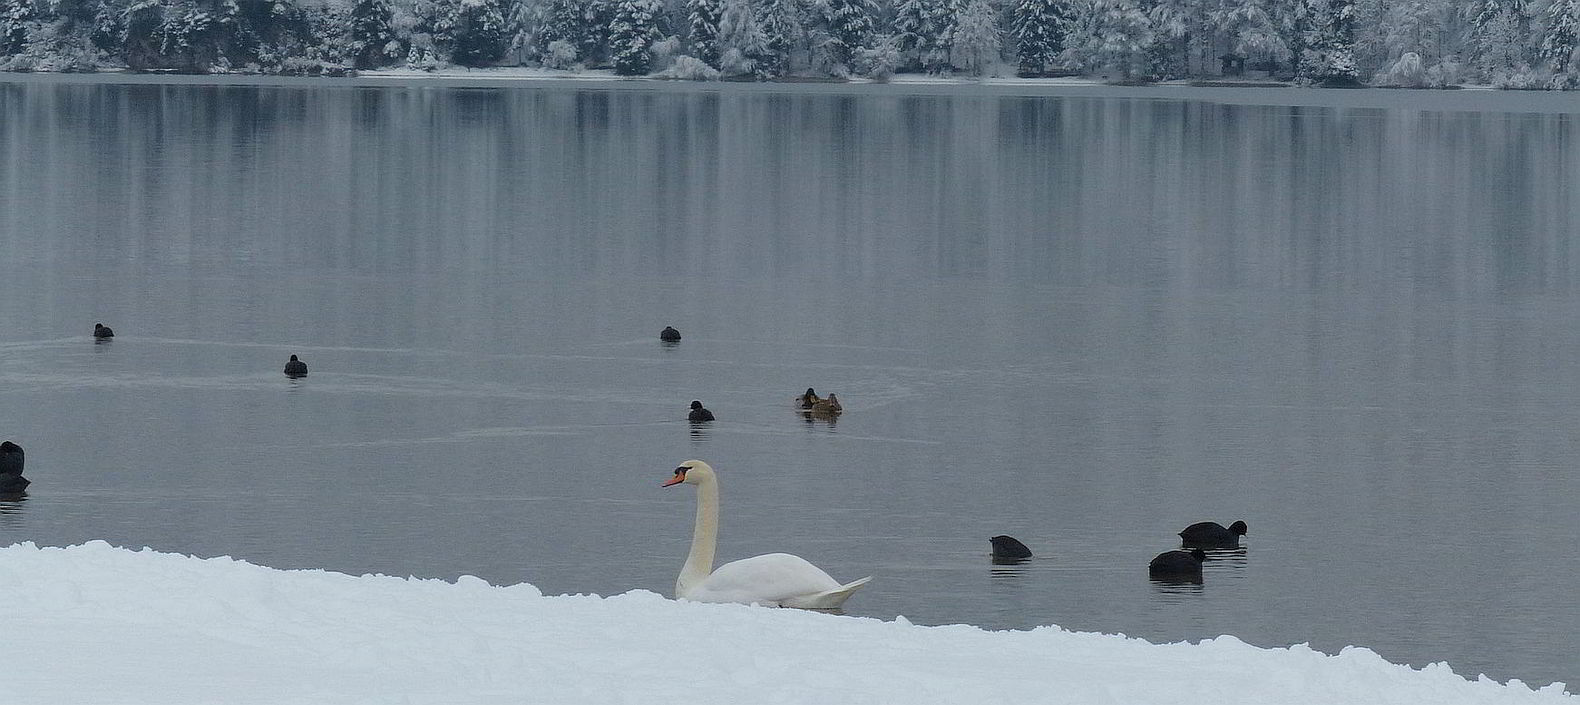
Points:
x=773 y=579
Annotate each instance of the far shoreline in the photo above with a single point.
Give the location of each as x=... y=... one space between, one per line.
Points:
x=1467 y=99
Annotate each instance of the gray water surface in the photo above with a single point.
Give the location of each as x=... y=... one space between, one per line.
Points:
x=1084 y=320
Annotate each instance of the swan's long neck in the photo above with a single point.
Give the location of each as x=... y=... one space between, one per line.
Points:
x=704 y=538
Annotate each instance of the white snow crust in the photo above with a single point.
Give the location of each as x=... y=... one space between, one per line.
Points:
x=98 y=624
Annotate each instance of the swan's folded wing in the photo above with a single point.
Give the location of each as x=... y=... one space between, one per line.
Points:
x=769 y=579
x=828 y=599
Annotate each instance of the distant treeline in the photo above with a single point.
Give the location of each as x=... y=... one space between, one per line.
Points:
x=1507 y=43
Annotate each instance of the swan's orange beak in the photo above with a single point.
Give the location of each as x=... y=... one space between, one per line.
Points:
x=680 y=476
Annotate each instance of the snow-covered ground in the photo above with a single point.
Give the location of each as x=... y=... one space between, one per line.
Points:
x=500 y=73
x=529 y=73
x=98 y=624
x=532 y=73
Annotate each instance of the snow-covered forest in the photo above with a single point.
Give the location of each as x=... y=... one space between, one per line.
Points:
x=1416 y=43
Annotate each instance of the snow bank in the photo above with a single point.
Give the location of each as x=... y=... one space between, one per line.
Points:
x=97 y=624
x=532 y=73
x=518 y=73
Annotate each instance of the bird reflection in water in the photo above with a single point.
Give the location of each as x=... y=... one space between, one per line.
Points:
x=1014 y=591
x=11 y=506
x=1177 y=584
x=699 y=431
x=1220 y=558
x=813 y=419
x=1009 y=568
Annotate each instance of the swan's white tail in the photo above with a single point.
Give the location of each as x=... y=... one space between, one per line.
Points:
x=828 y=599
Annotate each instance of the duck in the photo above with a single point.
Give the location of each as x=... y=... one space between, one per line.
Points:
x=1211 y=534
x=11 y=461
x=807 y=399
x=828 y=407
x=669 y=334
x=698 y=413
x=771 y=580
x=13 y=484
x=1177 y=564
x=102 y=331
x=12 y=458
x=296 y=368
x=1009 y=547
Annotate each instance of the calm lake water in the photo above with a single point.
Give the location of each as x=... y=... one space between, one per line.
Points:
x=1083 y=319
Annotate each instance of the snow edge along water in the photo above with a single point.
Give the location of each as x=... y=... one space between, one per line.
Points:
x=96 y=623
x=1476 y=99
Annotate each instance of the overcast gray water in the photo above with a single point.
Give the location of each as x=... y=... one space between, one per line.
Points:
x=1084 y=320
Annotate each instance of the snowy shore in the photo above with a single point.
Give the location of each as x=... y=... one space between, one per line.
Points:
x=98 y=624
x=1478 y=99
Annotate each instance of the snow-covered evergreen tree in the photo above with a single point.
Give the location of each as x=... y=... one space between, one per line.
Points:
x=1293 y=20
x=1112 y=35
x=975 y=42
x=1561 y=41
x=881 y=60
x=1251 y=29
x=742 y=37
x=560 y=21
x=522 y=27
x=436 y=21
x=849 y=27
x=70 y=12
x=1370 y=35
x=15 y=18
x=198 y=37
x=187 y=38
x=1182 y=38
x=912 y=23
x=480 y=35
x=1178 y=26
x=598 y=18
x=1510 y=43
x=923 y=30
x=109 y=28
x=372 y=42
x=781 y=24
x=560 y=54
x=272 y=32
x=139 y=39
x=1500 y=32
x=1414 y=35
x=936 y=54
x=702 y=16
x=1038 y=27
x=1330 y=43
x=1413 y=26
x=632 y=33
